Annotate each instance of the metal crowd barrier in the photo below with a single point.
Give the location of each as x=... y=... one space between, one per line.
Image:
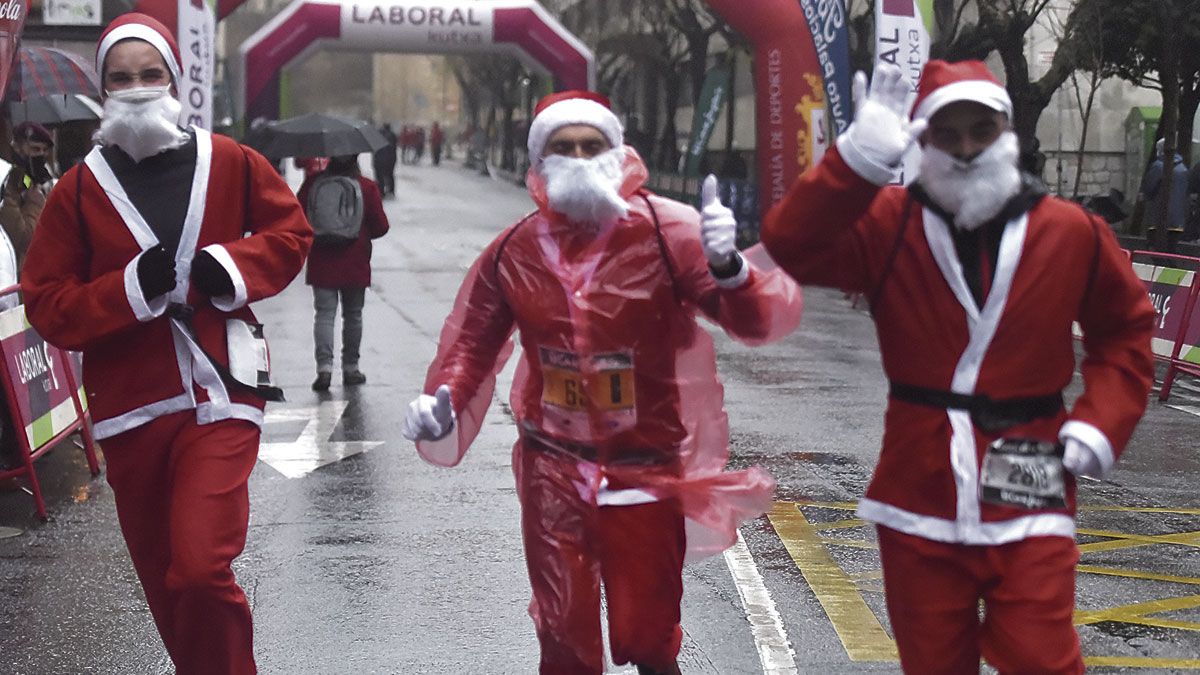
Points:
x=1173 y=286
x=42 y=396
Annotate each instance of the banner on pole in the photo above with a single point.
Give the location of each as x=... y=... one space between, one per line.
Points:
x=902 y=38
x=197 y=38
x=831 y=38
x=704 y=119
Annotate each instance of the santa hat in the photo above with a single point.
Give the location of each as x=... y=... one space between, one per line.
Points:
x=572 y=107
x=943 y=83
x=139 y=26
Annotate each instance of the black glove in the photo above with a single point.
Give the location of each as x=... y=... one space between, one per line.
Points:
x=209 y=277
x=156 y=272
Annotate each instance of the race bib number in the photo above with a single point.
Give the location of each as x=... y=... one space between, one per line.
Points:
x=573 y=390
x=1023 y=473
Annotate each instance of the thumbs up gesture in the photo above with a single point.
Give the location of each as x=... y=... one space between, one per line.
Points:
x=429 y=418
x=718 y=227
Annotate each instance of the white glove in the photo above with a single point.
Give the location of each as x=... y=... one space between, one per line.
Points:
x=429 y=418
x=1080 y=459
x=718 y=227
x=881 y=131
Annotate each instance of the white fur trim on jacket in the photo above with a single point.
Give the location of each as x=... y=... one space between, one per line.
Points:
x=1093 y=439
x=144 y=309
x=568 y=112
x=228 y=303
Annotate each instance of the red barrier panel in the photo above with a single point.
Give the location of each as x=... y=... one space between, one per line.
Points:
x=1174 y=286
x=41 y=385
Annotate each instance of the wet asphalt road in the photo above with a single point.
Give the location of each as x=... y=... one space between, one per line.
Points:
x=380 y=563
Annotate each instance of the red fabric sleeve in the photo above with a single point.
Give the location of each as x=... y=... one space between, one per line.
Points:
x=819 y=230
x=473 y=347
x=1117 y=320
x=280 y=236
x=374 y=218
x=67 y=307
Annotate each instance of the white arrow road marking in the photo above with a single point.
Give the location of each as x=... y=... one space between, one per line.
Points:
x=312 y=449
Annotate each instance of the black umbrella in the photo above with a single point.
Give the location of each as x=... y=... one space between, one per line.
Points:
x=316 y=135
x=54 y=109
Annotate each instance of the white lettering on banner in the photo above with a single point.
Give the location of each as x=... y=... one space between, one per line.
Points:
x=893 y=33
x=34 y=362
x=775 y=117
x=829 y=16
x=11 y=10
x=415 y=16
x=710 y=120
x=1162 y=305
x=436 y=28
x=197 y=24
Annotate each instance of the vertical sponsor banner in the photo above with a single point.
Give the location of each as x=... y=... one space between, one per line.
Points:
x=791 y=125
x=831 y=38
x=704 y=118
x=902 y=38
x=197 y=42
x=12 y=22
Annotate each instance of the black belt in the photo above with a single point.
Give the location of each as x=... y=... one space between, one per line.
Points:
x=590 y=453
x=989 y=415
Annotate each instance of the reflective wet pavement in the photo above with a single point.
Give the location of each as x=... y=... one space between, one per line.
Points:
x=361 y=558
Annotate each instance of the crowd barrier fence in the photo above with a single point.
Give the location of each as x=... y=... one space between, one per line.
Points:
x=43 y=396
x=1173 y=284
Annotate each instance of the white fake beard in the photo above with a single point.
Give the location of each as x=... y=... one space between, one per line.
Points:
x=975 y=191
x=142 y=128
x=586 y=191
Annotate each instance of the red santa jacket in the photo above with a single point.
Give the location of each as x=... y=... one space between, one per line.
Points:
x=82 y=293
x=1056 y=265
x=347 y=266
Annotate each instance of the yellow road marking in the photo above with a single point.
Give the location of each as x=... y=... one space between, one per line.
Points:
x=1136 y=610
x=848 y=524
x=863 y=637
x=1140 y=662
x=852 y=543
x=1141 y=509
x=1135 y=574
x=856 y=625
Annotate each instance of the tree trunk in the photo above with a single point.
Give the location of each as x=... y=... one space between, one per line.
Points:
x=1086 y=111
x=667 y=147
x=1189 y=102
x=1169 y=76
x=507 y=161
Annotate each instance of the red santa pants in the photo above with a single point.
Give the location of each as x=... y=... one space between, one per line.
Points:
x=571 y=545
x=1027 y=587
x=183 y=506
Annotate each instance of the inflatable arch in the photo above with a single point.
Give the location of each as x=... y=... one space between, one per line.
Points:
x=522 y=28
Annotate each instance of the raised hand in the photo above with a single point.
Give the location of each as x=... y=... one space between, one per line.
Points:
x=881 y=131
x=718 y=227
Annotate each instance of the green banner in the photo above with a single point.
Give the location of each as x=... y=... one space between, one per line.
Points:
x=704 y=118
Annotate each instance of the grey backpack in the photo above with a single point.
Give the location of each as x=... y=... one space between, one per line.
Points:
x=335 y=210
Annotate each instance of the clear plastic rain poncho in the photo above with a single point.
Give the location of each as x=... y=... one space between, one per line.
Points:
x=615 y=373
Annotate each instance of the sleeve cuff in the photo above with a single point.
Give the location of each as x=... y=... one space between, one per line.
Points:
x=143 y=309
x=738 y=279
x=1093 y=439
x=227 y=303
x=870 y=170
